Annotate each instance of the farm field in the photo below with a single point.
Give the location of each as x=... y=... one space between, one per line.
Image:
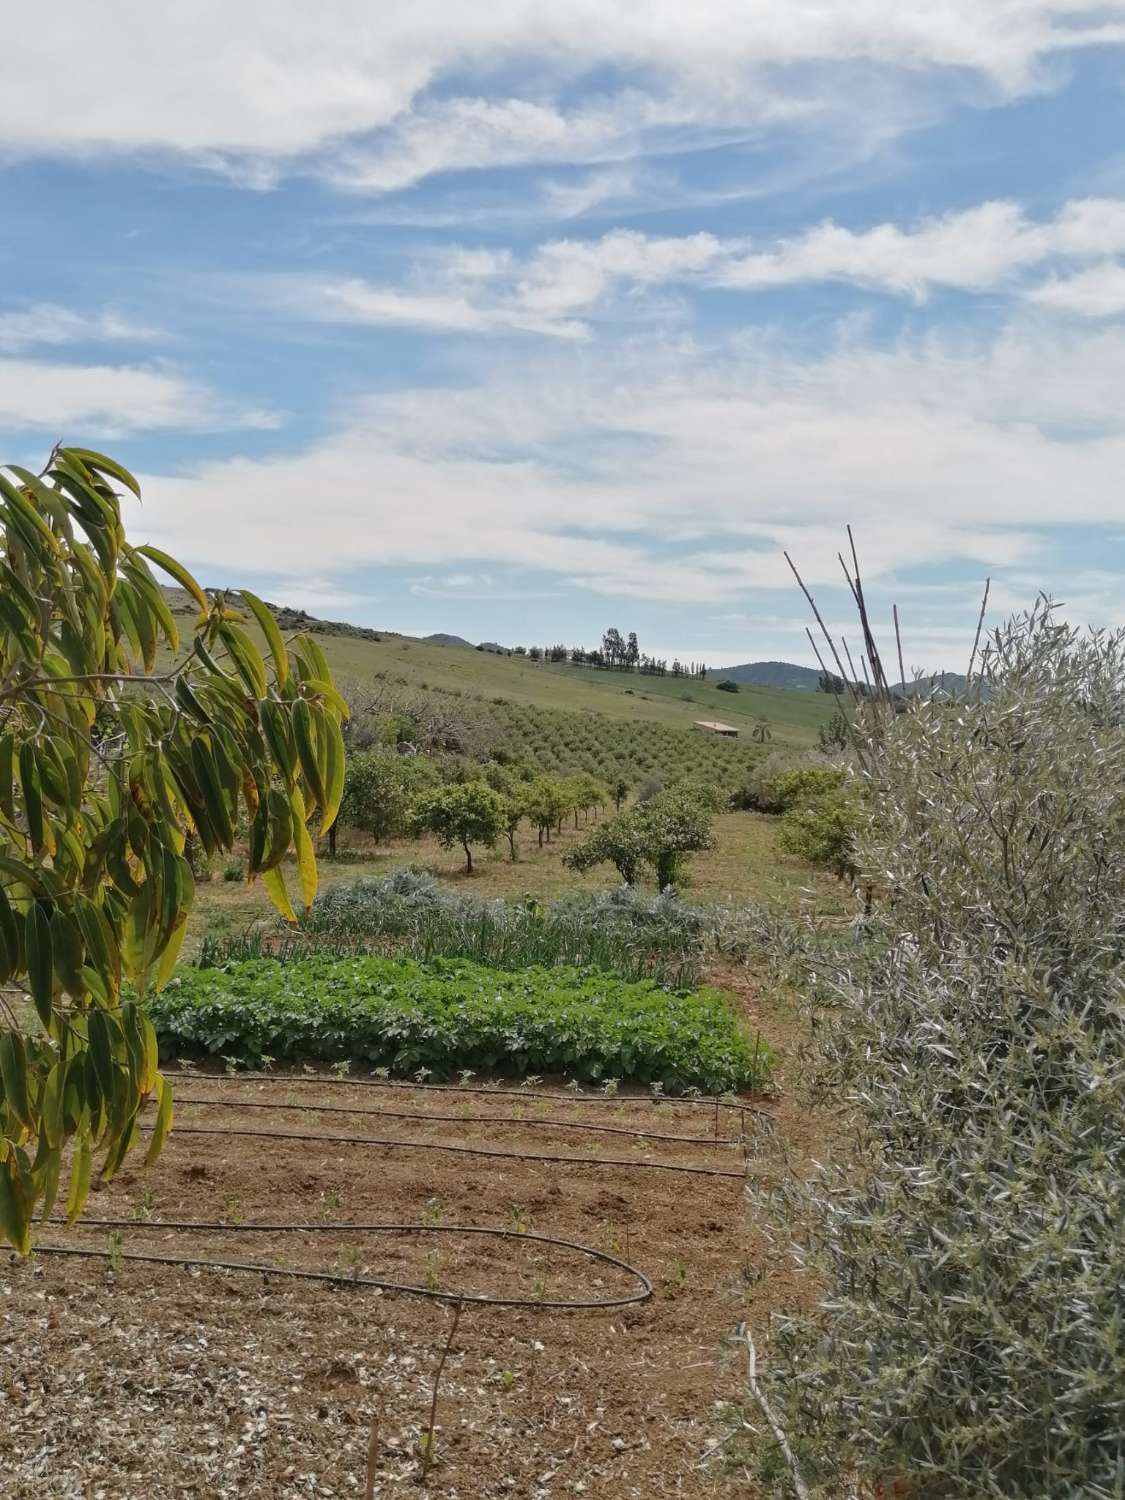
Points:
x=265 y=1388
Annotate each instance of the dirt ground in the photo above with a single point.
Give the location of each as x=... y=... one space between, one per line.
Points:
x=121 y=1380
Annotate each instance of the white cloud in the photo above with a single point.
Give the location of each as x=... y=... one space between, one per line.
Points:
x=668 y=473
x=552 y=290
x=1096 y=293
x=973 y=250
x=114 y=399
x=284 y=83
x=50 y=323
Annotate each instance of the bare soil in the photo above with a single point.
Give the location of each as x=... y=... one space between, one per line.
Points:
x=121 y=1380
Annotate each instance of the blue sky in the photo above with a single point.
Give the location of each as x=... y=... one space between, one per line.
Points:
x=528 y=321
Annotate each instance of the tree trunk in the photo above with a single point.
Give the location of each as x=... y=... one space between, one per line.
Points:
x=332 y=842
x=512 y=843
x=540 y=835
x=468 y=858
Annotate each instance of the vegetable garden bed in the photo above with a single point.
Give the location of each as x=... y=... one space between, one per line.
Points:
x=437 y=1017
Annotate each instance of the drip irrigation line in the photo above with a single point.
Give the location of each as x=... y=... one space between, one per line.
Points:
x=410 y=1114
x=561 y=1097
x=397 y=1144
x=538 y=1304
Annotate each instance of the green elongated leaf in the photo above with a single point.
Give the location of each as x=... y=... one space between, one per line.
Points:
x=37 y=880
x=7 y=775
x=79 y=1176
x=277 y=727
x=269 y=628
x=15 y=1216
x=32 y=796
x=13 y=1075
x=274 y=882
x=280 y=829
x=306 y=855
x=315 y=658
x=49 y=1183
x=334 y=759
x=246 y=657
x=67 y=951
x=163 y=1122
x=168 y=959
x=317 y=687
x=206 y=774
x=40 y=965
x=177 y=571
x=101 y=1051
x=304 y=734
x=28 y=519
x=51 y=1105
x=149 y=591
x=189 y=702
x=104 y=465
x=10 y=947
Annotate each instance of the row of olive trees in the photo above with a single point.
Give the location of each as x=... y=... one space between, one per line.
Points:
x=388 y=795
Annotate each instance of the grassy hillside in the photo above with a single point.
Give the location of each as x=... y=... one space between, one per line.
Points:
x=793 y=716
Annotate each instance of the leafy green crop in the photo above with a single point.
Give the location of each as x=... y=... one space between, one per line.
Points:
x=450 y=1014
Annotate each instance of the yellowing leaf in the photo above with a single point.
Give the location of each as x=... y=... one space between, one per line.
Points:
x=274 y=882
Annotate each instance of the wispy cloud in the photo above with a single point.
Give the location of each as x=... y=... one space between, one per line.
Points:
x=49 y=323
x=113 y=400
x=559 y=286
x=1096 y=293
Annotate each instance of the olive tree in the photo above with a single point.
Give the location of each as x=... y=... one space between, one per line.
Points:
x=968 y=1247
x=118 y=741
x=465 y=813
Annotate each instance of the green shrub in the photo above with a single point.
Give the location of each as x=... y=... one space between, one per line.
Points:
x=969 y=1248
x=234 y=870
x=822 y=829
x=451 y=1014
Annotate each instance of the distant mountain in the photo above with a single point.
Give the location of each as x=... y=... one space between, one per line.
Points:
x=440 y=638
x=787 y=674
x=776 y=674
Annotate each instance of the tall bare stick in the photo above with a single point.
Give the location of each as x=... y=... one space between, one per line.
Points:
x=799 y=1485
x=898 y=643
x=373 y=1453
x=976 y=638
x=428 y=1446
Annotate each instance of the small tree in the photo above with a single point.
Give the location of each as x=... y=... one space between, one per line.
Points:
x=620 y=792
x=659 y=833
x=761 y=732
x=109 y=762
x=379 y=788
x=466 y=813
x=727 y=686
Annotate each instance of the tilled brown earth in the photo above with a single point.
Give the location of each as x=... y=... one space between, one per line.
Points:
x=121 y=1380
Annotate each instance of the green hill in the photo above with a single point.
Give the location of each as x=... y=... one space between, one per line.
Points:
x=362 y=658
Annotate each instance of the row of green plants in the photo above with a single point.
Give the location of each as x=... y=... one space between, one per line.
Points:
x=630 y=932
x=433 y=1019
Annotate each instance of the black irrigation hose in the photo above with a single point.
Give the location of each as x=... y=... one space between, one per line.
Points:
x=411 y=1114
x=568 y=1096
x=374 y=1140
x=402 y=1288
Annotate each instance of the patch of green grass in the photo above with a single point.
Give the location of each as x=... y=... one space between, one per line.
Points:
x=448 y=1014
